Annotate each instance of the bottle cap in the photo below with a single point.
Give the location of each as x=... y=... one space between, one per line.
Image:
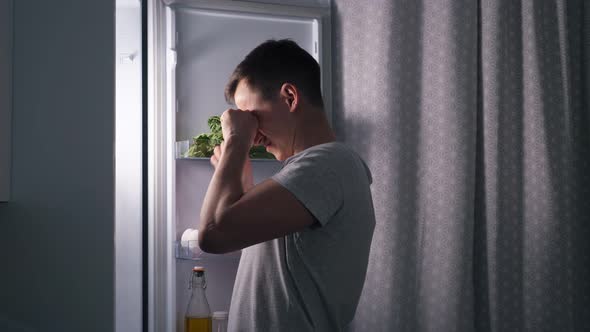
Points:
x=220 y=315
x=198 y=269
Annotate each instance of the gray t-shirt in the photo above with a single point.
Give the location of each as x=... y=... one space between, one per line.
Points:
x=311 y=280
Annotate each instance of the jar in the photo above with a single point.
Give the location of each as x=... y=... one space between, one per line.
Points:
x=220 y=321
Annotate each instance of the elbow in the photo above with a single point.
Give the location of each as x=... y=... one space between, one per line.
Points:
x=206 y=243
x=211 y=241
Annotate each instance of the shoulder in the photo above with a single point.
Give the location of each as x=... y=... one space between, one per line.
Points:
x=334 y=157
x=328 y=153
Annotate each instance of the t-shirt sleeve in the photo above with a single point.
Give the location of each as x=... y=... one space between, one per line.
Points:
x=315 y=185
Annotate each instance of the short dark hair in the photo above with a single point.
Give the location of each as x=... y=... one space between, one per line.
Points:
x=273 y=63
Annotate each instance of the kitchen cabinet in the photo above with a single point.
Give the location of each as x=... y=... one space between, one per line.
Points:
x=5 y=97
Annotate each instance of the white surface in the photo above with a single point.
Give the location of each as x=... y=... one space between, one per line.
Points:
x=5 y=97
x=128 y=166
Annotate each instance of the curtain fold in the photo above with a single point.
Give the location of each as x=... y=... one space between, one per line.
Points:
x=473 y=116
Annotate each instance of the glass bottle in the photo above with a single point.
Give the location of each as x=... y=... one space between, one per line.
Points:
x=198 y=313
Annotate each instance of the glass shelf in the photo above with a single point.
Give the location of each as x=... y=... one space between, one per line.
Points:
x=207 y=159
x=182 y=147
x=193 y=253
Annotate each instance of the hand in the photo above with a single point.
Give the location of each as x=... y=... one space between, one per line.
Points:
x=247 y=178
x=239 y=125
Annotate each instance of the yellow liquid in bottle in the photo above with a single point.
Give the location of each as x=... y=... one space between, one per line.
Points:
x=192 y=324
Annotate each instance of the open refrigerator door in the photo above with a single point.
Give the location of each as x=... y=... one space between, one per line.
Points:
x=193 y=47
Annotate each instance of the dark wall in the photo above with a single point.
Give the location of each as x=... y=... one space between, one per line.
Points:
x=56 y=233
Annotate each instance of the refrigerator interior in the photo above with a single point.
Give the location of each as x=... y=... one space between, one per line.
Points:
x=204 y=41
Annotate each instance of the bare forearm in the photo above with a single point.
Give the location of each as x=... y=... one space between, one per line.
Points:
x=226 y=186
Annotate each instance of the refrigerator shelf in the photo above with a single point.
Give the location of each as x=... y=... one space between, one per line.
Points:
x=182 y=147
x=207 y=159
x=186 y=253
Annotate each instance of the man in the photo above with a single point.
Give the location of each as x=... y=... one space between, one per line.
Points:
x=306 y=231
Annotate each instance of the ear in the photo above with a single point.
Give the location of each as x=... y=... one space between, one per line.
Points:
x=290 y=95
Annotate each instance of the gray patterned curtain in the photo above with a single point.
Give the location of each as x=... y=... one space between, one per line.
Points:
x=474 y=118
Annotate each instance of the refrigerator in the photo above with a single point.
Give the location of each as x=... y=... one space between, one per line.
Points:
x=190 y=48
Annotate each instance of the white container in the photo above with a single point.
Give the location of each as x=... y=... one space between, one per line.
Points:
x=220 y=321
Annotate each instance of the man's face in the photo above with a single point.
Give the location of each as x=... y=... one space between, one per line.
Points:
x=274 y=124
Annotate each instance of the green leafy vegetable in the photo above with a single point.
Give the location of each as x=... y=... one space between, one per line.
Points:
x=214 y=123
x=259 y=152
x=203 y=145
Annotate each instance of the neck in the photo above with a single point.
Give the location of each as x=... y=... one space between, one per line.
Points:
x=312 y=128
